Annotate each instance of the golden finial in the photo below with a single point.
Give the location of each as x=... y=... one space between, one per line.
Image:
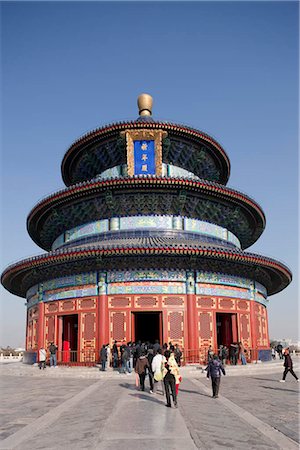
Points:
x=145 y=104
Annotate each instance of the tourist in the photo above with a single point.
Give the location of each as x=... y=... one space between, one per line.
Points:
x=125 y=358
x=108 y=356
x=156 y=346
x=103 y=357
x=53 y=350
x=220 y=352
x=273 y=351
x=210 y=354
x=42 y=358
x=169 y=381
x=242 y=354
x=150 y=372
x=233 y=353
x=174 y=369
x=214 y=370
x=279 y=349
x=178 y=355
x=164 y=347
x=288 y=366
x=137 y=352
x=115 y=353
x=158 y=368
x=140 y=368
x=224 y=355
x=130 y=348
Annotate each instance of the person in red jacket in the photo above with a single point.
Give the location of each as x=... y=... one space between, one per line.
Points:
x=288 y=366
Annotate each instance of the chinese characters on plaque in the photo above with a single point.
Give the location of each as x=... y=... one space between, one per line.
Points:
x=144 y=158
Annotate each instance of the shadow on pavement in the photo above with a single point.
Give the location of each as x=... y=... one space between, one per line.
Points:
x=279 y=389
x=130 y=386
x=147 y=397
x=264 y=379
x=193 y=392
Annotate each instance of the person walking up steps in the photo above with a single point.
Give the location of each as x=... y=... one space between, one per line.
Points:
x=288 y=366
x=214 y=370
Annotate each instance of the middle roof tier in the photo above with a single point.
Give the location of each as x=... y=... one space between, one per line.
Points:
x=124 y=197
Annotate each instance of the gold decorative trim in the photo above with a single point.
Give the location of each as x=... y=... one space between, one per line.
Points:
x=144 y=135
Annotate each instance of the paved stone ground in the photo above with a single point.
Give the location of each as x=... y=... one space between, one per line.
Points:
x=71 y=408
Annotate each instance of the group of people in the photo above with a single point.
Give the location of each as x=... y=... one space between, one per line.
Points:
x=124 y=357
x=234 y=353
x=43 y=356
x=160 y=364
x=215 y=366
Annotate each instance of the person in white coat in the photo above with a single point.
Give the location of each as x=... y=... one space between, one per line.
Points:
x=42 y=358
x=107 y=365
x=157 y=369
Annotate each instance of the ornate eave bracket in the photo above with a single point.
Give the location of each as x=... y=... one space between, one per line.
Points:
x=144 y=135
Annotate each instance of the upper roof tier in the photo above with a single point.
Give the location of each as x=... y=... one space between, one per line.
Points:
x=186 y=147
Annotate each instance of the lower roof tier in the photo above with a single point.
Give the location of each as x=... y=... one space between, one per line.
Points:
x=90 y=201
x=143 y=253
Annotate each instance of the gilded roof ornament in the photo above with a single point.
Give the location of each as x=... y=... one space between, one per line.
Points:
x=145 y=102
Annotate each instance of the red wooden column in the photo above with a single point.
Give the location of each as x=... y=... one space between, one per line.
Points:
x=234 y=328
x=41 y=324
x=191 y=322
x=267 y=328
x=253 y=330
x=26 y=333
x=103 y=320
x=191 y=343
x=103 y=323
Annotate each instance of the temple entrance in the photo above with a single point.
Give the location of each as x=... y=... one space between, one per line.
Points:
x=147 y=326
x=69 y=338
x=226 y=329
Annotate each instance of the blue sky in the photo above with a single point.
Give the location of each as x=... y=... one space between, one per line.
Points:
x=227 y=68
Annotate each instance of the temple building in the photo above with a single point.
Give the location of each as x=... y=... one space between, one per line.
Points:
x=146 y=242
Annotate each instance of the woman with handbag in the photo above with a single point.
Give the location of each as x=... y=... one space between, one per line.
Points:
x=174 y=368
x=158 y=369
x=169 y=380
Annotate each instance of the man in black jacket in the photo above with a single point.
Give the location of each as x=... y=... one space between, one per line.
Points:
x=115 y=353
x=53 y=350
x=214 y=370
x=288 y=366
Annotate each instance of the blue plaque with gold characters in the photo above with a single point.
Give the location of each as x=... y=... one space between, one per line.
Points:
x=144 y=144
x=144 y=157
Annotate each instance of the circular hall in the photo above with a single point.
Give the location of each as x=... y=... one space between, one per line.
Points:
x=146 y=242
